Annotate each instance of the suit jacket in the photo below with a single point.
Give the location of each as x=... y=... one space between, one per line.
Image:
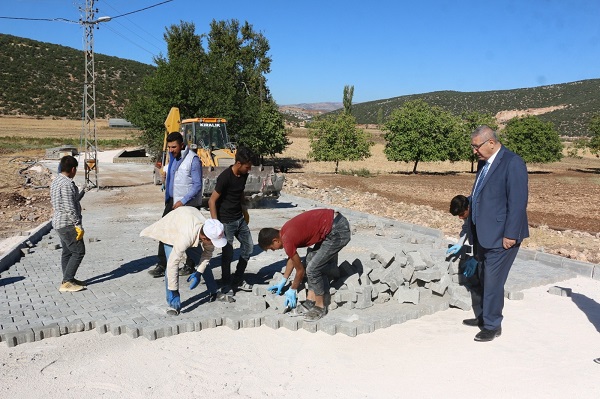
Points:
x=501 y=208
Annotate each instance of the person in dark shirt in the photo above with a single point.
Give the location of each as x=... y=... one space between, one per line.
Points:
x=226 y=204
x=329 y=232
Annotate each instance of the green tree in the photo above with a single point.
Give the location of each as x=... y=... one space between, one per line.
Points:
x=270 y=122
x=535 y=141
x=219 y=74
x=347 y=101
x=472 y=120
x=419 y=132
x=336 y=138
x=594 y=127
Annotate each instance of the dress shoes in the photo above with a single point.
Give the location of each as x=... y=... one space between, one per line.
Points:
x=473 y=322
x=487 y=335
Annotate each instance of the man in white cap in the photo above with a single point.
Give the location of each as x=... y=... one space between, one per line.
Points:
x=182 y=229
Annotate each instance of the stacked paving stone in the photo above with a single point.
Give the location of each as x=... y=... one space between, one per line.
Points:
x=408 y=274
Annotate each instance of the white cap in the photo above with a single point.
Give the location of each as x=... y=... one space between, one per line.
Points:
x=213 y=229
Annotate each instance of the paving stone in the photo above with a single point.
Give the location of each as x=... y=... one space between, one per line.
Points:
x=347 y=329
x=383 y=256
x=405 y=294
x=514 y=295
x=560 y=291
x=17 y=338
x=328 y=327
x=233 y=323
x=439 y=287
x=415 y=259
x=429 y=274
x=310 y=326
x=131 y=330
x=271 y=322
x=291 y=323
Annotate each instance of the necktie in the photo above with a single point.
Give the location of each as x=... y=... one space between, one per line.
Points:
x=477 y=189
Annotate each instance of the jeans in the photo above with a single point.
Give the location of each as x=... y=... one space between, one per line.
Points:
x=240 y=230
x=324 y=252
x=162 y=257
x=194 y=253
x=73 y=252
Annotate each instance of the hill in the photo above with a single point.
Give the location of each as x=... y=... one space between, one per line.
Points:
x=569 y=105
x=46 y=80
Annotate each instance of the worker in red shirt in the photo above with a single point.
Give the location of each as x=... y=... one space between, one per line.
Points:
x=329 y=232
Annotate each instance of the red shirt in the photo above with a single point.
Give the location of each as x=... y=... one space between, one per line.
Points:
x=306 y=229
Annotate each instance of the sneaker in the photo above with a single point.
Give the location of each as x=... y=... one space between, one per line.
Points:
x=221 y=297
x=70 y=286
x=187 y=270
x=307 y=305
x=173 y=312
x=79 y=282
x=158 y=271
x=238 y=283
x=316 y=313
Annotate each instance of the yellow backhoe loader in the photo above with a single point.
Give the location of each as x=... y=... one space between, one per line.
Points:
x=209 y=139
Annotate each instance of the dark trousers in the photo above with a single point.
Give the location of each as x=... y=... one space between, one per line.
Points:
x=324 y=252
x=237 y=229
x=73 y=252
x=162 y=257
x=492 y=272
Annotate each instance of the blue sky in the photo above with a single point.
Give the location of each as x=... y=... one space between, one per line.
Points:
x=384 y=48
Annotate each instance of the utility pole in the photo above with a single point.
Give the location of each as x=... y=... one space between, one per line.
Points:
x=89 y=97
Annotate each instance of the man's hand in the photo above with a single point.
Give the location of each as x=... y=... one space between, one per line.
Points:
x=276 y=288
x=470 y=267
x=177 y=204
x=290 y=298
x=453 y=250
x=508 y=243
x=194 y=278
x=246 y=215
x=173 y=299
x=80 y=232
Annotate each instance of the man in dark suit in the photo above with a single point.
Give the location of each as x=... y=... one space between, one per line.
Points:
x=498 y=223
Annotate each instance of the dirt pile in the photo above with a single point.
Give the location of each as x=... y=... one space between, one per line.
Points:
x=24 y=195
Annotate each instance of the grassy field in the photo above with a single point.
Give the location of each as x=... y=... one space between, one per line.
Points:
x=23 y=134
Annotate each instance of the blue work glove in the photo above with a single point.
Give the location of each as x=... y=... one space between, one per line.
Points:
x=453 y=250
x=470 y=267
x=290 y=299
x=194 y=278
x=173 y=299
x=277 y=287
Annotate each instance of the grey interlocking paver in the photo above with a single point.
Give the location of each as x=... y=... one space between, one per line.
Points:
x=121 y=298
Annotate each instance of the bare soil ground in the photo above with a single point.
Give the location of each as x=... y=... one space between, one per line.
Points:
x=563 y=197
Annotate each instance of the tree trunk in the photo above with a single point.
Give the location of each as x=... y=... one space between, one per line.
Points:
x=337 y=163
x=415 y=167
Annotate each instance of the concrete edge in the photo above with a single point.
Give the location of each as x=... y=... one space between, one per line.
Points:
x=13 y=255
x=584 y=269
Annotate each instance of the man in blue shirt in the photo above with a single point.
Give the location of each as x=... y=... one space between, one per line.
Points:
x=183 y=187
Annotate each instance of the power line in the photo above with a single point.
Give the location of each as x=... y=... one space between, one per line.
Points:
x=142 y=9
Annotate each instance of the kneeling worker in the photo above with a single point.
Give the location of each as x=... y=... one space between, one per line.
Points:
x=180 y=229
x=329 y=232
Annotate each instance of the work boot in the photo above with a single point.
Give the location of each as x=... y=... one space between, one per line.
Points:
x=187 y=270
x=158 y=271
